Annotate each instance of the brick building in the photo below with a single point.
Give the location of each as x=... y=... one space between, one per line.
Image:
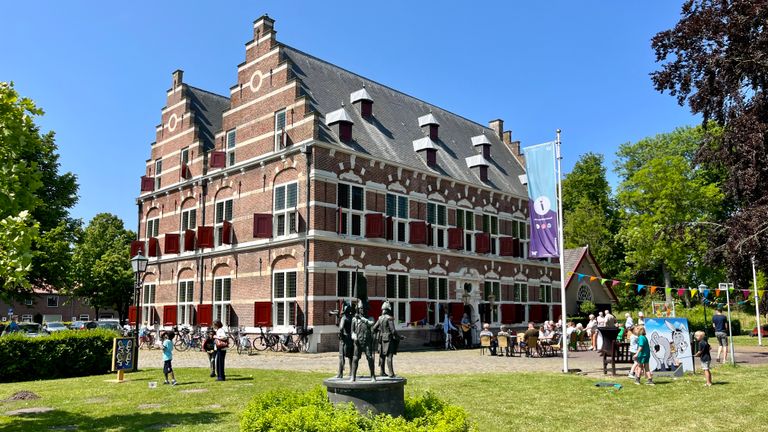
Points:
x=259 y=208
x=50 y=305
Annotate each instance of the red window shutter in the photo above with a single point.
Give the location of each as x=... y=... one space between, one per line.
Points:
x=482 y=242
x=189 y=240
x=390 y=228
x=457 y=311
x=262 y=225
x=374 y=308
x=262 y=314
x=147 y=184
x=418 y=232
x=205 y=315
x=431 y=157
x=218 y=159
x=132 y=315
x=226 y=232
x=366 y=108
x=508 y=314
x=455 y=238
x=153 y=247
x=169 y=315
x=506 y=246
x=374 y=225
x=137 y=246
x=418 y=311
x=483 y=173
x=345 y=131
x=185 y=174
x=433 y=132
x=516 y=248
x=205 y=237
x=172 y=243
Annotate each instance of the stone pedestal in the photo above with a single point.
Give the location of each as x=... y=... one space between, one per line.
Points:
x=385 y=395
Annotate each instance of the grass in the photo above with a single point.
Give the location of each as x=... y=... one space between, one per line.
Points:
x=519 y=401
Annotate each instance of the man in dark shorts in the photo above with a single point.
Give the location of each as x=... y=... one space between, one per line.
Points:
x=720 y=323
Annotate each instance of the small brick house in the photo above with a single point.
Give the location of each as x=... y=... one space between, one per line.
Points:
x=260 y=207
x=50 y=305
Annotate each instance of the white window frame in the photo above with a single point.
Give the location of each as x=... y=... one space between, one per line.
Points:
x=493 y=287
x=28 y=302
x=186 y=303
x=184 y=156
x=440 y=296
x=545 y=293
x=492 y=222
x=56 y=301
x=222 y=298
x=284 y=301
x=521 y=231
x=439 y=225
x=399 y=296
x=469 y=227
x=224 y=210
x=189 y=219
x=148 y=297
x=400 y=215
x=283 y=211
x=84 y=317
x=158 y=171
x=152 y=227
x=351 y=217
x=520 y=292
x=280 y=129
x=26 y=318
x=230 y=142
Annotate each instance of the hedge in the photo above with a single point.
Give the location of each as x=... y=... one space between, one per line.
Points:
x=284 y=411
x=60 y=355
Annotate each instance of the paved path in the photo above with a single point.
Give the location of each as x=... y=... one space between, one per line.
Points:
x=418 y=362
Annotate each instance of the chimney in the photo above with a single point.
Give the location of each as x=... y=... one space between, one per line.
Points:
x=479 y=165
x=428 y=149
x=507 y=138
x=262 y=26
x=340 y=122
x=498 y=127
x=363 y=99
x=430 y=125
x=178 y=76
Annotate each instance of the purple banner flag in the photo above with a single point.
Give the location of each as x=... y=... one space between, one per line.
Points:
x=542 y=206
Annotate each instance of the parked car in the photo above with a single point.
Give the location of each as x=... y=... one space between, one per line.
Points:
x=53 y=327
x=83 y=325
x=110 y=325
x=31 y=329
x=764 y=331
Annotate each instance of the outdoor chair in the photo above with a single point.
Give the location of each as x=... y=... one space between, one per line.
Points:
x=531 y=346
x=485 y=344
x=582 y=341
x=520 y=345
x=555 y=344
x=503 y=345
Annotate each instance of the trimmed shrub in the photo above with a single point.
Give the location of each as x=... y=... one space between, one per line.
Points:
x=60 y=355
x=284 y=411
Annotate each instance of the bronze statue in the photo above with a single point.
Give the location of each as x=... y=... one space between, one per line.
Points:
x=363 y=340
x=387 y=338
x=346 y=347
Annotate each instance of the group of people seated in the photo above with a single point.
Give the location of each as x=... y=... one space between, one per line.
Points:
x=545 y=338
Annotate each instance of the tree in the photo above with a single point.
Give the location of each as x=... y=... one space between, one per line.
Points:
x=101 y=264
x=664 y=197
x=589 y=213
x=715 y=59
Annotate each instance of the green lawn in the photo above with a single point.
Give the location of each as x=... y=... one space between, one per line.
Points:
x=530 y=401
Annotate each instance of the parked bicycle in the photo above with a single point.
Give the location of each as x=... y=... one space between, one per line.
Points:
x=240 y=341
x=266 y=340
x=146 y=339
x=187 y=339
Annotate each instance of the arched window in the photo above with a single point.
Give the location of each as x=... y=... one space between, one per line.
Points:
x=584 y=293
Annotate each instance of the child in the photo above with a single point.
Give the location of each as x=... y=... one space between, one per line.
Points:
x=210 y=347
x=167 y=358
x=643 y=357
x=633 y=351
x=704 y=355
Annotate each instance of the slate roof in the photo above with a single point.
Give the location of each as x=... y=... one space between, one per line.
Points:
x=571 y=260
x=390 y=134
x=209 y=109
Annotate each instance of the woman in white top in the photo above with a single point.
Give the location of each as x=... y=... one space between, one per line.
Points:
x=592 y=331
x=629 y=322
x=600 y=320
x=222 y=343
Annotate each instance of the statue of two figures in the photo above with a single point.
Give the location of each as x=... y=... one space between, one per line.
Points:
x=359 y=335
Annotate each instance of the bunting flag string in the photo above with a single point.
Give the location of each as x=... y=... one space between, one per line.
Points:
x=651 y=289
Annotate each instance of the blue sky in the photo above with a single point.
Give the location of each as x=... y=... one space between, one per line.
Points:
x=100 y=69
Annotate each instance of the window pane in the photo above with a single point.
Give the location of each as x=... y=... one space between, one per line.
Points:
x=402 y=207
x=357 y=198
x=470 y=221
x=227 y=294
x=356 y=225
x=431 y=213
x=342 y=284
x=391 y=286
x=486 y=223
x=441 y=218
x=391 y=205
x=402 y=286
x=292 y=222
x=281 y=225
x=401 y=231
x=228 y=210
x=401 y=314
x=292 y=195
x=280 y=120
x=280 y=306
x=443 y=289
x=280 y=198
x=515 y=230
x=292 y=313
x=343 y=198
x=494 y=225
x=219 y=212
x=432 y=289
x=291 y=284
x=231 y=138
x=217 y=290
x=158 y=167
x=279 y=286
x=460 y=218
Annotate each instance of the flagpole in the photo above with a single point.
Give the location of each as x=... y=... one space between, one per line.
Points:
x=563 y=339
x=730 y=331
x=757 y=304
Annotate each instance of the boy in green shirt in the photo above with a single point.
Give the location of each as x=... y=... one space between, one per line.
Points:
x=643 y=356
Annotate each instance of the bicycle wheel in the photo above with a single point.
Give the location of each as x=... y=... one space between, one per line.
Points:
x=304 y=344
x=181 y=345
x=259 y=343
x=240 y=348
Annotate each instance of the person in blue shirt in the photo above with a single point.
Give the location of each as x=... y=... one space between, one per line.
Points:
x=720 y=323
x=168 y=358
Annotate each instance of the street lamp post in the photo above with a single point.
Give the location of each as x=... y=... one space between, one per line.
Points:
x=139 y=267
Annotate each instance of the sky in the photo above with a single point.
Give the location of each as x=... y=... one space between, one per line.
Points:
x=100 y=70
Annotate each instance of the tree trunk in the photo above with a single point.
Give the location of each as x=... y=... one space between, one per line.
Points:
x=667 y=283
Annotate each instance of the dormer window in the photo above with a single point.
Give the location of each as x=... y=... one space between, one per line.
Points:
x=480 y=165
x=341 y=123
x=428 y=148
x=482 y=143
x=430 y=125
x=364 y=100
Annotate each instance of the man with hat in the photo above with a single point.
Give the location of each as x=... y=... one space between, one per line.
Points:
x=387 y=338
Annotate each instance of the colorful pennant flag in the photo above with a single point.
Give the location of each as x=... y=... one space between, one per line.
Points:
x=668 y=292
x=614 y=283
x=653 y=289
x=705 y=293
x=730 y=289
x=760 y=293
x=681 y=292
x=717 y=293
x=694 y=291
x=581 y=276
x=640 y=288
x=745 y=293
x=570 y=273
x=592 y=278
x=603 y=281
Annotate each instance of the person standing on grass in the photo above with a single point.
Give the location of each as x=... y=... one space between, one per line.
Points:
x=222 y=343
x=704 y=355
x=633 y=351
x=209 y=345
x=643 y=357
x=720 y=323
x=168 y=358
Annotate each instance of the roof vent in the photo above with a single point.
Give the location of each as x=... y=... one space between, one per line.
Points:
x=341 y=123
x=480 y=165
x=427 y=147
x=429 y=121
x=484 y=144
x=364 y=99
